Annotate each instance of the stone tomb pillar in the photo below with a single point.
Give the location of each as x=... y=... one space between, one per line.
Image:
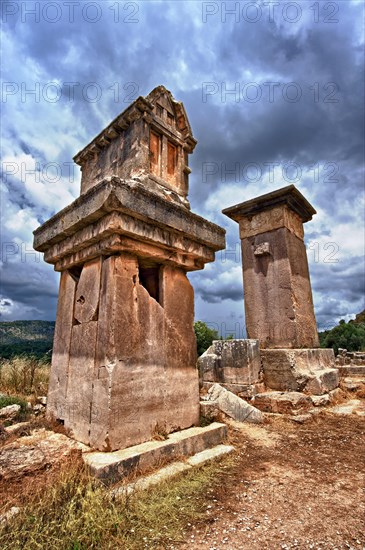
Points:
x=124 y=355
x=278 y=297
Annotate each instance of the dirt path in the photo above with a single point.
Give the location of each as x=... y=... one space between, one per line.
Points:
x=293 y=486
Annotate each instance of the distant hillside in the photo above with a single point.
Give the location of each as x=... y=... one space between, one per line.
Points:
x=30 y=337
x=360 y=318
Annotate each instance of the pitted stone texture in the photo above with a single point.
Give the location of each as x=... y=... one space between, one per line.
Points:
x=132 y=371
x=57 y=388
x=307 y=370
x=234 y=406
x=87 y=294
x=231 y=362
x=283 y=402
x=278 y=296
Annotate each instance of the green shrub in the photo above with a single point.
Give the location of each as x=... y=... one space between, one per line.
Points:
x=204 y=336
x=350 y=336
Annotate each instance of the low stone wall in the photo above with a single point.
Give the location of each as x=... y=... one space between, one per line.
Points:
x=345 y=357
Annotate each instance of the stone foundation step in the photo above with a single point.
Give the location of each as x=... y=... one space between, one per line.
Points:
x=352 y=370
x=174 y=469
x=114 y=466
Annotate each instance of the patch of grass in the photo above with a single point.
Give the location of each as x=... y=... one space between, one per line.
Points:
x=76 y=512
x=24 y=375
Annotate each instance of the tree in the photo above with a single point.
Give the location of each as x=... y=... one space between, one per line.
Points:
x=204 y=336
x=350 y=336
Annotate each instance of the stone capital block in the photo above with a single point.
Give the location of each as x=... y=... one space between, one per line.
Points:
x=277 y=291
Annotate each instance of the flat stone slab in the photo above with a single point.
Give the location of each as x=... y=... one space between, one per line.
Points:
x=234 y=406
x=283 y=402
x=174 y=469
x=354 y=406
x=113 y=466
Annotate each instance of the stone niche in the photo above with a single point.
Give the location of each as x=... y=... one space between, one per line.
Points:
x=124 y=359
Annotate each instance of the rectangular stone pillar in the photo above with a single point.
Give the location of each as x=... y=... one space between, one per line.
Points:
x=124 y=360
x=278 y=297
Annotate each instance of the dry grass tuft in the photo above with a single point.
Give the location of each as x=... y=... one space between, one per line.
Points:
x=76 y=512
x=25 y=376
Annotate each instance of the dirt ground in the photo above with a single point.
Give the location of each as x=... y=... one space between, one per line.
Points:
x=293 y=486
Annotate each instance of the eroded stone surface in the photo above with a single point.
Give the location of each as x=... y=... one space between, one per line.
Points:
x=283 y=402
x=30 y=454
x=307 y=370
x=234 y=406
x=231 y=362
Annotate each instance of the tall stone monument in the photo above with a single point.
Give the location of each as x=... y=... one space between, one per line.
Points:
x=278 y=296
x=124 y=360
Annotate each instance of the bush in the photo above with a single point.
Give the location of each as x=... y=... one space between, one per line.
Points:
x=350 y=336
x=204 y=336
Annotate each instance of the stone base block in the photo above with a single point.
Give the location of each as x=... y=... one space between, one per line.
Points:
x=113 y=466
x=310 y=371
x=283 y=402
x=231 y=362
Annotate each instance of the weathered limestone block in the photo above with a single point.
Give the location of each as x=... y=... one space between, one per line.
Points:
x=139 y=383
x=234 y=406
x=78 y=402
x=307 y=370
x=57 y=387
x=231 y=362
x=289 y=402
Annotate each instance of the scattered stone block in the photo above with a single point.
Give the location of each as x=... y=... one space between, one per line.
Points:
x=354 y=406
x=320 y=400
x=9 y=412
x=30 y=454
x=283 y=402
x=231 y=362
x=209 y=410
x=234 y=406
x=9 y=515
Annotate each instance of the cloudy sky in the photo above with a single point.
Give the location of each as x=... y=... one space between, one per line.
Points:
x=274 y=93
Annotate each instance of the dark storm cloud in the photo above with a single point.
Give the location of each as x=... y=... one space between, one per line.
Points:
x=171 y=45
